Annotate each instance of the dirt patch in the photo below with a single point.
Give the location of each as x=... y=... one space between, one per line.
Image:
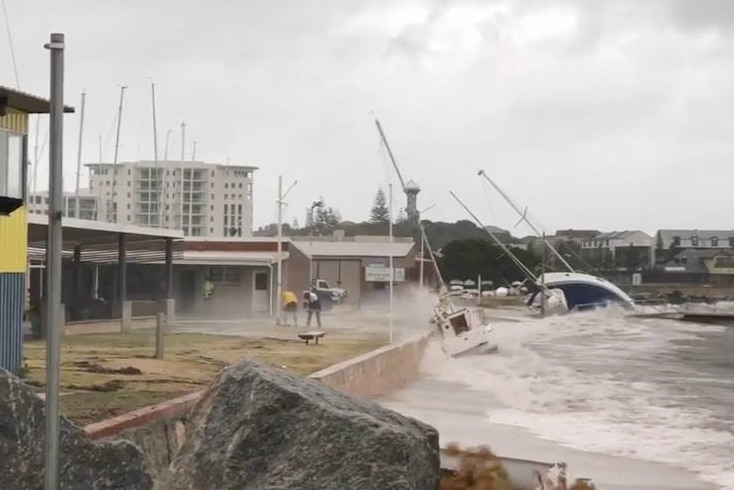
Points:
x=93 y=367
x=105 y=375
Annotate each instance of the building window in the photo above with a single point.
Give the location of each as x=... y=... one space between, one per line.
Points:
x=694 y=241
x=724 y=262
x=676 y=241
x=225 y=275
x=261 y=281
x=714 y=241
x=226 y=185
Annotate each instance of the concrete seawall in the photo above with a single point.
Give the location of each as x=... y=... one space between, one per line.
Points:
x=160 y=429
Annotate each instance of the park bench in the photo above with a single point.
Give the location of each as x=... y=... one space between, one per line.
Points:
x=314 y=335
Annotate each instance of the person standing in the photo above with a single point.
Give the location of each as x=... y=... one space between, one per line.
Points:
x=290 y=307
x=313 y=306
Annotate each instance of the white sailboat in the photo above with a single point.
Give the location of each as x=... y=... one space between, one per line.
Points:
x=463 y=331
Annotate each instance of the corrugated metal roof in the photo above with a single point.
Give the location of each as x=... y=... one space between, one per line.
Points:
x=354 y=249
x=99 y=240
x=28 y=103
x=219 y=257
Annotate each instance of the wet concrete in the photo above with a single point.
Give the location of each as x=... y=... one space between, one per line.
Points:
x=460 y=415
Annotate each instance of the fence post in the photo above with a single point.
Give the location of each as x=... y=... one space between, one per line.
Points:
x=160 y=327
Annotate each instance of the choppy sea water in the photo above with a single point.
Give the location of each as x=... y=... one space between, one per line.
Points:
x=656 y=390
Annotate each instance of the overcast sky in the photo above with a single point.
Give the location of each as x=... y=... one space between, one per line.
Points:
x=596 y=114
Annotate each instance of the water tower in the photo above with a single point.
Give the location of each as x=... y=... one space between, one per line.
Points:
x=412 y=189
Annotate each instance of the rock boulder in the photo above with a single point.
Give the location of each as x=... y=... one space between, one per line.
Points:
x=261 y=428
x=84 y=464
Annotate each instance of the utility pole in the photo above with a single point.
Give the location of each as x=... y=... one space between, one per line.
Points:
x=392 y=266
x=279 y=290
x=193 y=152
x=53 y=262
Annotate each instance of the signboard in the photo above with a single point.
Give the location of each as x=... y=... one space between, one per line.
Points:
x=636 y=279
x=382 y=274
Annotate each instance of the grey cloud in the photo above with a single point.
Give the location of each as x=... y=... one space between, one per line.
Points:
x=623 y=108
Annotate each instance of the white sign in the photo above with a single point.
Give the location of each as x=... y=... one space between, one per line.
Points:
x=382 y=274
x=636 y=279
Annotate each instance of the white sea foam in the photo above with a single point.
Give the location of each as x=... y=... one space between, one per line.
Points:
x=605 y=383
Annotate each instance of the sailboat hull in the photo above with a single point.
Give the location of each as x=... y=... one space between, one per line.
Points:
x=584 y=291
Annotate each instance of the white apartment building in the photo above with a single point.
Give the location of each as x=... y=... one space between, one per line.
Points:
x=88 y=206
x=202 y=199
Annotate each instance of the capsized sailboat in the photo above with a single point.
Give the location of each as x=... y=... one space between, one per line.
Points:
x=580 y=291
x=463 y=331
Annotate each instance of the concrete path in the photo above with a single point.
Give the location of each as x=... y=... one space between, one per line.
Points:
x=340 y=319
x=460 y=416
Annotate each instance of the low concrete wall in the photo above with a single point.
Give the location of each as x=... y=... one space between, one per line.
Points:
x=378 y=372
x=160 y=429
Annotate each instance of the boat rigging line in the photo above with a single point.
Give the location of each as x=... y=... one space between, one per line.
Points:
x=523 y=217
x=528 y=273
x=10 y=44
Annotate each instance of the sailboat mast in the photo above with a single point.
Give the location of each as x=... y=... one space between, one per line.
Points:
x=528 y=273
x=424 y=237
x=159 y=175
x=183 y=141
x=524 y=218
x=113 y=202
x=542 y=277
x=389 y=152
x=79 y=155
x=165 y=150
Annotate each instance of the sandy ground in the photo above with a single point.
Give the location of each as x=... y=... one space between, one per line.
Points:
x=104 y=375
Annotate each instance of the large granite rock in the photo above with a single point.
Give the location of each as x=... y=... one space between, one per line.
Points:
x=83 y=464
x=261 y=428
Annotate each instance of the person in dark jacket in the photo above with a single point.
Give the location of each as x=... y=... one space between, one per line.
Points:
x=312 y=303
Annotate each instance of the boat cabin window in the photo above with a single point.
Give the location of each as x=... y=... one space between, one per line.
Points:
x=459 y=323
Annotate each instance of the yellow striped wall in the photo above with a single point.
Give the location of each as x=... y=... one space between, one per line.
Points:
x=14 y=241
x=15 y=120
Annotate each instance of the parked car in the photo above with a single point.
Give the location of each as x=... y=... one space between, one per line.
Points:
x=337 y=295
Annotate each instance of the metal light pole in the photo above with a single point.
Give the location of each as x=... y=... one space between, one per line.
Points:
x=392 y=264
x=53 y=262
x=279 y=290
